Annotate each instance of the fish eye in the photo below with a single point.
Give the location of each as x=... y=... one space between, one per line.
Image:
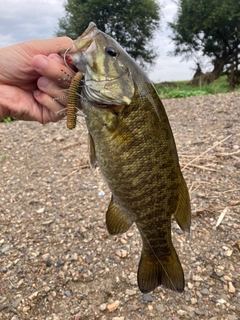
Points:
x=111 y=51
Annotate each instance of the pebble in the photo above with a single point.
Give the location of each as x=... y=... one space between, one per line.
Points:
x=33 y=295
x=67 y=293
x=147 y=297
x=5 y=249
x=130 y=292
x=181 y=312
x=197 y=278
x=16 y=302
x=113 y=306
x=103 y=307
x=132 y=307
x=26 y=309
x=231 y=288
x=41 y=210
x=193 y=301
x=118 y=318
x=121 y=253
x=205 y=291
x=232 y=317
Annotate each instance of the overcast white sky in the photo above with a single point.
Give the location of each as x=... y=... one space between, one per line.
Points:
x=38 y=19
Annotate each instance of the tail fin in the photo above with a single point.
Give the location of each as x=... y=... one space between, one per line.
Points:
x=166 y=271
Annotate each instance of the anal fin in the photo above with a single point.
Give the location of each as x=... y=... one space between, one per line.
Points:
x=117 y=220
x=92 y=153
x=183 y=211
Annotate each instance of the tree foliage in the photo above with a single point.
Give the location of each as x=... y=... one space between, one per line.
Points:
x=209 y=26
x=131 y=22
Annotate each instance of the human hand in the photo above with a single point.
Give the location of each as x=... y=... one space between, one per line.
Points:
x=21 y=68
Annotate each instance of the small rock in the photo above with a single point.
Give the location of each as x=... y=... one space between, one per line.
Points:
x=67 y=293
x=41 y=210
x=193 y=301
x=33 y=295
x=221 y=301
x=228 y=253
x=16 y=302
x=130 y=292
x=181 y=312
x=205 y=291
x=231 y=288
x=232 y=317
x=121 y=253
x=118 y=318
x=197 y=278
x=190 y=285
x=5 y=249
x=147 y=297
x=101 y=193
x=89 y=259
x=26 y=309
x=103 y=307
x=113 y=306
x=237 y=165
x=132 y=307
x=219 y=273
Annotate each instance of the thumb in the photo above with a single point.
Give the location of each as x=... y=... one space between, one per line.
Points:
x=48 y=46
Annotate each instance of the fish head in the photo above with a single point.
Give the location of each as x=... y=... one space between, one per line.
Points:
x=108 y=70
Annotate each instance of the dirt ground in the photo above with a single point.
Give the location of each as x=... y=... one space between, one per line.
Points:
x=57 y=261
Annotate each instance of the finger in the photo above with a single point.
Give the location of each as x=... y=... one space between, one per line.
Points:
x=57 y=109
x=52 y=69
x=53 y=90
x=48 y=46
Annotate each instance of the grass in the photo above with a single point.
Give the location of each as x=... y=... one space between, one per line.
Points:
x=8 y=119
x=182 y=89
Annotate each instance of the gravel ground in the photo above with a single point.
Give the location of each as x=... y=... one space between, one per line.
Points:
x=57 y=260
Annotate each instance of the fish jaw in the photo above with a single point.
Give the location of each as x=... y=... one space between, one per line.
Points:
x=83 y=45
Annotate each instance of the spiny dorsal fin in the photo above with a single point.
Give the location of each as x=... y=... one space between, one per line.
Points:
x=116 y=219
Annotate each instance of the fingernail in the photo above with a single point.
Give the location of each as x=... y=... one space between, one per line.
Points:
x=40 y=62
x=43 y=82
x=36 y=93
x=55 y=57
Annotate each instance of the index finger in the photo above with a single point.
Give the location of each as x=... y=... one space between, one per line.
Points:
x=53 y=69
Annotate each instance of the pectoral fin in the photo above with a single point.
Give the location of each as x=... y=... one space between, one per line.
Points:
x=116 y=219
x=92 y=153
x=183 y=212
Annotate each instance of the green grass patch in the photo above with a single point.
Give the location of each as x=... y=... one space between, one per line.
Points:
x=182 y=89
x=8 y=119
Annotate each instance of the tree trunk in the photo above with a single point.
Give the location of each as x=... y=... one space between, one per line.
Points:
x=218 y=67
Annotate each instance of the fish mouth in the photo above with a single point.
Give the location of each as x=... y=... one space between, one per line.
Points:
x=83 y=44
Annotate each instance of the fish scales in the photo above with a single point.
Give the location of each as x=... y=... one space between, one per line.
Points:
x=132 y=142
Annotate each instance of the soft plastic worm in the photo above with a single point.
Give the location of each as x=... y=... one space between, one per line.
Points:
x=73 y=95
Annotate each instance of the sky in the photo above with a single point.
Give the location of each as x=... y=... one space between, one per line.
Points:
x=38 y=19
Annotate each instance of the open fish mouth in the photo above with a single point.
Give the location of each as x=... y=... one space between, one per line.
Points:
x=83 y=44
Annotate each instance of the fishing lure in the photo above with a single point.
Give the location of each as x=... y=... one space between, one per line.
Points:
x=73 y=94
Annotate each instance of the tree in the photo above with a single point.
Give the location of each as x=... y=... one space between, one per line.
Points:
x=209 y=26
x=131 y=22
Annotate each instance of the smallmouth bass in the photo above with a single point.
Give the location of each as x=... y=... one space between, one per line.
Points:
x=132 y=142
